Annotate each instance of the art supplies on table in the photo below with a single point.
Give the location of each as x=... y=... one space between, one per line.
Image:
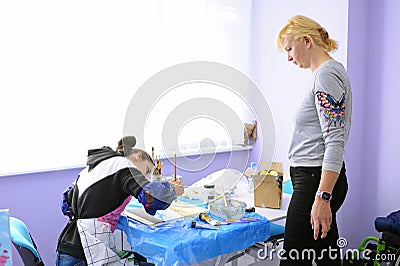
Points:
x=206 y=218
x=227 y=208
x=203 y=226
x=177 y=210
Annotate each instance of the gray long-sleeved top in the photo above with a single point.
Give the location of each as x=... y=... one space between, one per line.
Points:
x=323 y=121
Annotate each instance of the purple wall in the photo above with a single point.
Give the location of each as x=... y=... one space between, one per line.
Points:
x=35 y=197
x=372 y=151
x=357 y=69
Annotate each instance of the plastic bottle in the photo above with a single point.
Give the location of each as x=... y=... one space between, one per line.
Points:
x=209 y=192
x=251 y=179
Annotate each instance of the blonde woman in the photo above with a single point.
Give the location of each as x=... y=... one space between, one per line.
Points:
x=316 y=151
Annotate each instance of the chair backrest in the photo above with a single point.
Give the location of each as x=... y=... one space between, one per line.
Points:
x=24 y=243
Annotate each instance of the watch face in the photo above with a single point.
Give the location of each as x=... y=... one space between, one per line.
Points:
x=326 y=196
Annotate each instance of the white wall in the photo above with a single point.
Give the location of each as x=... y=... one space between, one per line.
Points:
x=283 y=84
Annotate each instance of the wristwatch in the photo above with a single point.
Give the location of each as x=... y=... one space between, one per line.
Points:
x=324 y=195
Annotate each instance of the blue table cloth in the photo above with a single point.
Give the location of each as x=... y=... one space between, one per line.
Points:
x=176 y=243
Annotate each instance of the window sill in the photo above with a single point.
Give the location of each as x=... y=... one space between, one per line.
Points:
x=197 y=152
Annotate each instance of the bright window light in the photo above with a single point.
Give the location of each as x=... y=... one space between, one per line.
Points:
x=69 y=69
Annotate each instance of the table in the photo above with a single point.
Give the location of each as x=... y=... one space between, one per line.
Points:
x=175 y=243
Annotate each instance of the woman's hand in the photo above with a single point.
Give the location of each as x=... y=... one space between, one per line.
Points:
x=178 y=187
x=321 y=213
x=321 y=217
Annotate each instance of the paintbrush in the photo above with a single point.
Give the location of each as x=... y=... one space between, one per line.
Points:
x=175 y=167
x=223 y=193
x=152 y=155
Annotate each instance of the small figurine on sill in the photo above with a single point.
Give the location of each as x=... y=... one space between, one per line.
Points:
x=158 y=167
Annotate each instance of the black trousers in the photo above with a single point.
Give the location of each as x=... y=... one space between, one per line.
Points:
x=299 y=247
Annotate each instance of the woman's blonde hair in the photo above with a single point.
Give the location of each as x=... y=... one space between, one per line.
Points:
x=299 y=27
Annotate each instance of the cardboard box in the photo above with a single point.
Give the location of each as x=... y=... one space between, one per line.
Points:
x=267 y=187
